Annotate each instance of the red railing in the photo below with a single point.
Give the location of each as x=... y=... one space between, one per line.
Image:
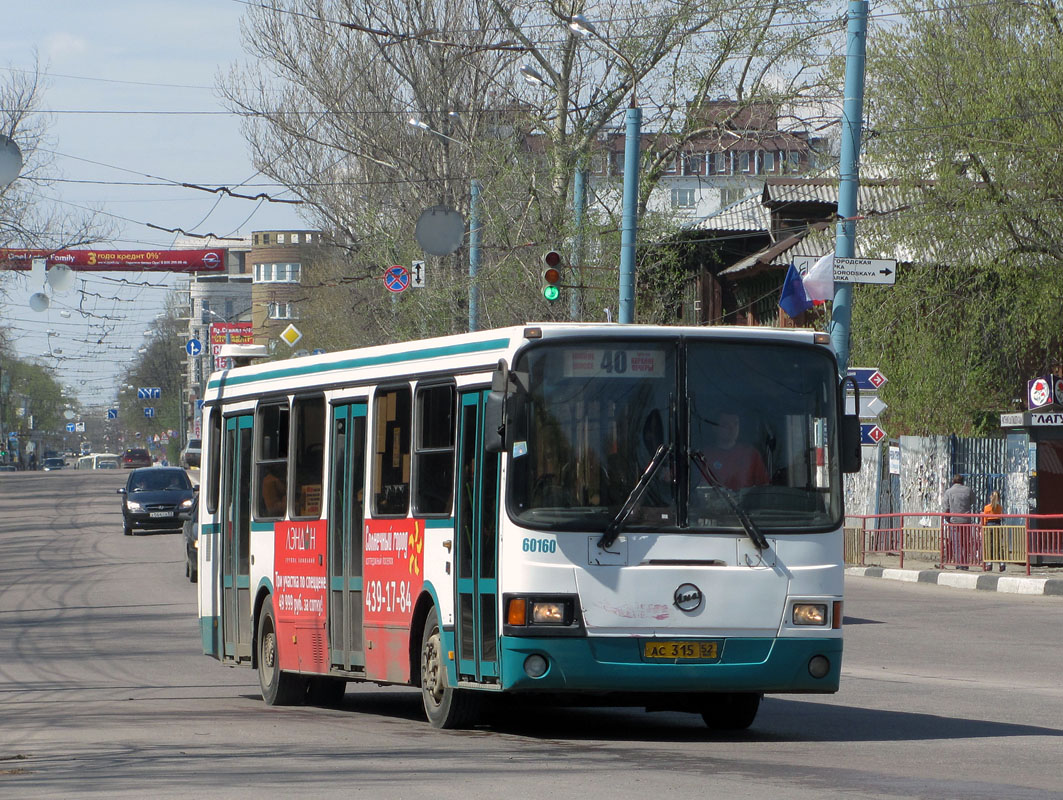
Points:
x=1015 y=539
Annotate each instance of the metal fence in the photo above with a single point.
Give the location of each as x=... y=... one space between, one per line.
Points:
x=1022 y=539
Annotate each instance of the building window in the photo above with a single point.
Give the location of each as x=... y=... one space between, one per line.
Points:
x=769 y=161
x=295 y=238
x=616 y=162
x=278 y=273
x=684 y=198
x=693 y=163
x=668 y=165
x=743 y=161
x=281 y=311
x=280 y=238
x=723 y=163
x=265 y=238
x=229 y=309
x=795 y=162
x=732 y=194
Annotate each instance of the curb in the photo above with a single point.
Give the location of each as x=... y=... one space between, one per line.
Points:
x=965 y=580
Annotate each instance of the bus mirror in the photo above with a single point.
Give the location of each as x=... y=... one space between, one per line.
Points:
x=494 y=424
x=850 y=443
x=500 y=378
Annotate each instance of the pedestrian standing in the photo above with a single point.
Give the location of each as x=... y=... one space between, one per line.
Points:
x=992 y=511
x=959 y=501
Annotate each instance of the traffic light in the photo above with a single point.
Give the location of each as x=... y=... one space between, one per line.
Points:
x=552 y=275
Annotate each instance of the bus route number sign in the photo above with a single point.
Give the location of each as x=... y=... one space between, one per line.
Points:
x=613 y=363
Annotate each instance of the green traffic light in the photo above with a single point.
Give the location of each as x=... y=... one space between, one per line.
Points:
x=551 y=293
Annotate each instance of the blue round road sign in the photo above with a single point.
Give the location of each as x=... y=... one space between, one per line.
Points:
x=194 y=347
x=397 y=278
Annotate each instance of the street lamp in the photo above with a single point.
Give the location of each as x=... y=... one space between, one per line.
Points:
x=475 y=228
x=629 y=223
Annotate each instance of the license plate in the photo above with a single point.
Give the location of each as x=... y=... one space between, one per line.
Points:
x=159 y=514
x=681 y=649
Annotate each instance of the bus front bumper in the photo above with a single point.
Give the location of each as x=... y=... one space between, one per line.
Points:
x=621 y=664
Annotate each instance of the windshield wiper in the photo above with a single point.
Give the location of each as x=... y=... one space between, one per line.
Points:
x=648 y=474
x=752 y=531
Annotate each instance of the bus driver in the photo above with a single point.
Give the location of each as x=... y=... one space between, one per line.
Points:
x=734 y=464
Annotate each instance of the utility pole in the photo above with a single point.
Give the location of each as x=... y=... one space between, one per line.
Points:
x=849 y=175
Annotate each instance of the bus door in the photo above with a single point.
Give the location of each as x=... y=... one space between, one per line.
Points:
x=476 y=526
x=345 y=515
x=236 y=538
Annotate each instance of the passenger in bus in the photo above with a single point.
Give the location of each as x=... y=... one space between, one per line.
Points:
x=734 y=464
x=273 y=493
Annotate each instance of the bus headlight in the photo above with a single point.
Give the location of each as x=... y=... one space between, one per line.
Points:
x=550 y=613
x=526 y=611
x=810 y=614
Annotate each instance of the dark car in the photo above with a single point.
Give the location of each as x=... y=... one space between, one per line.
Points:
x=157 y=498
x=136 y=457
x=55 y=462
x=191 y=528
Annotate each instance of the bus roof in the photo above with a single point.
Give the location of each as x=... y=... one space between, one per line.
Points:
x=464 y=352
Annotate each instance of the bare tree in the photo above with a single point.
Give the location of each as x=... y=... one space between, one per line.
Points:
x=334 y=85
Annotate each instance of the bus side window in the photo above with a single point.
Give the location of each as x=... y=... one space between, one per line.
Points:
x=434 y=450
x=271 y=469
x=391 y=452
x=308 y=419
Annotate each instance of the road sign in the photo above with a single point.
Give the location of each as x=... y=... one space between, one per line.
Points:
x=149 y=412
x=70 y=427
x=149 y=393
x=870 y=433
x=865 y=270
x=867 y=378
x=112 y=413
x=871 y=405
x=397 y=278
x=291 y=335
x=417 y=275
x=194 y=347
x=79 y=427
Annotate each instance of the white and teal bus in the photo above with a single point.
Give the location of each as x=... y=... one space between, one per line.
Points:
x=636 y=515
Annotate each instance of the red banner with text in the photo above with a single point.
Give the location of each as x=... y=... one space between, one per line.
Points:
x=210 y=260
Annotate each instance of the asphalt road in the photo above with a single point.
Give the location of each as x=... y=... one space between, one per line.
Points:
x=104 y=693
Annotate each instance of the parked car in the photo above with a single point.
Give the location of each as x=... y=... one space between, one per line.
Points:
x=191 y=531
x=190 y=455
x=157 y=498
x=49 y=464
x=136 y=457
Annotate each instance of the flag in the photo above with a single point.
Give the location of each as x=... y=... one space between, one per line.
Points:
x=793 y=299
x=819 y=281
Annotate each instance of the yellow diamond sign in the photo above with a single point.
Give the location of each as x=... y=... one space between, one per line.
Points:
x=291 y=335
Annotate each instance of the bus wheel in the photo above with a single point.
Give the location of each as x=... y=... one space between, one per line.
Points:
x=326 y=692
x=279 y=688
x=731 y=712
x=444 y=707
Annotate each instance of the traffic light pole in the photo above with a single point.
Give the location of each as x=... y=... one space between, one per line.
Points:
x=630 y=219
x=475 y=231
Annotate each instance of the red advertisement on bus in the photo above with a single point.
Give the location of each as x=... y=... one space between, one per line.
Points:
x=300 y=585
x=394 y=573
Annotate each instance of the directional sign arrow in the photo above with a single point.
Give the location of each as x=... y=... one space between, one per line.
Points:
x=868 y=378
x=871 y=405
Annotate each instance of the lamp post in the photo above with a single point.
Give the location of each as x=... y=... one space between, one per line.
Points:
x=629 y=222
x=475 y=227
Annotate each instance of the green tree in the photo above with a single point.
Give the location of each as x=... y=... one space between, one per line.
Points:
x=966 y=110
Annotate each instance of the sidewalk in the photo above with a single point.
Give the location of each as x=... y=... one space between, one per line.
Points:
x=1043 y=581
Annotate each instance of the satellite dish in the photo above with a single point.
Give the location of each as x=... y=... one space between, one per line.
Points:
x=39 y=301
x=440 y=230
x=10 y=161
x=60 y=278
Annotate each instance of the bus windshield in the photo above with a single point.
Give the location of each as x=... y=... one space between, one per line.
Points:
x=747 y=431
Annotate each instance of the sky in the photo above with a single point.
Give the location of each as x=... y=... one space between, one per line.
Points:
x=129 y=93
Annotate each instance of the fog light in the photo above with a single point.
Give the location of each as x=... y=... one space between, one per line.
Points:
x=535 y=666
x=818 y=666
